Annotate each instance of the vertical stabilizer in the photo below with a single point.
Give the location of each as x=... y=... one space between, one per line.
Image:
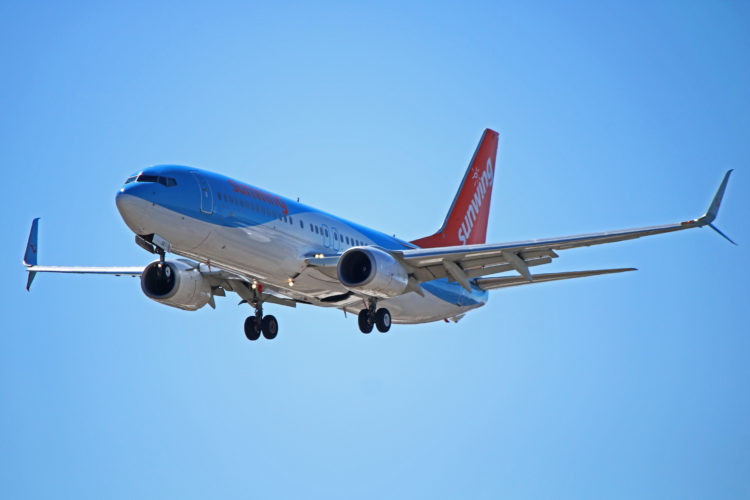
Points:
x=466 y=222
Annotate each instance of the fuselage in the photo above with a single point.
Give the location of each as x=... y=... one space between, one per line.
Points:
x=220 y=221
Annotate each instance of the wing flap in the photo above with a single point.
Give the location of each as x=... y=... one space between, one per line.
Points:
x=508 y=281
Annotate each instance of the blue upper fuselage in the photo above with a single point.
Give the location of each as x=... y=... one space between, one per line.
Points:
x=234 y=203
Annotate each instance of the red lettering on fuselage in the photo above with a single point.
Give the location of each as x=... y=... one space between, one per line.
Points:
x=260 y=195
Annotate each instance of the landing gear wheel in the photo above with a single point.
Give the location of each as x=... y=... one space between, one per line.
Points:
x=383 y=320
x=270 y=327
x=365 y=324
x=252 y=328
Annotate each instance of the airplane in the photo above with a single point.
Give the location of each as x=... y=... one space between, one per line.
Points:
x=230 y=236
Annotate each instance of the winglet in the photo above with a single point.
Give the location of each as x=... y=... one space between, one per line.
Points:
x=722 y=234
x=29 y=258
x=713 y=209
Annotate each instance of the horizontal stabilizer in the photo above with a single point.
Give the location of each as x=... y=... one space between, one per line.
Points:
x=506 y=281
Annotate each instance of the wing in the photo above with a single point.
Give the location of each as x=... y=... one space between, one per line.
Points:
x=471 y=261
x=220 y=280
x=117 y=271
x=464 y=263
x=30 y=261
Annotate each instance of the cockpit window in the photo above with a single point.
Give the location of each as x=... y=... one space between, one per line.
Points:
x=165 y=181
x=130 y=179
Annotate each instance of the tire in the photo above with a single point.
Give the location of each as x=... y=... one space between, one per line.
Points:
x=270 y=327
x=252 y=329
x=365 y=326
x=383 y=320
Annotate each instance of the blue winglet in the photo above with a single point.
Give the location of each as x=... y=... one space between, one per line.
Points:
x=30 y=257
x=724 y=235
x=713 y=209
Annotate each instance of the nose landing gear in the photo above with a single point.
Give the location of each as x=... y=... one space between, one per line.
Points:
x=381 y=318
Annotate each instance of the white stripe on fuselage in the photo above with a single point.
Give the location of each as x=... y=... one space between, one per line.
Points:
x=274 y=252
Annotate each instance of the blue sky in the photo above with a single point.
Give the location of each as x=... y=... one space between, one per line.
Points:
x=611 y=115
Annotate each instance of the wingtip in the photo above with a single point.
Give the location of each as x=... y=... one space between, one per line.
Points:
x=30 y=256
x=713 y=209
x=32 y=274
x=730 y=240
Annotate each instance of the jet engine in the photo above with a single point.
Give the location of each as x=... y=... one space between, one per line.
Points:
x=176 y=283
x=373 y=272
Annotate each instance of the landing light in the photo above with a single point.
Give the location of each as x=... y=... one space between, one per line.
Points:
x=291 y=282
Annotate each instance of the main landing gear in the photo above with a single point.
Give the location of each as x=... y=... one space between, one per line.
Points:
x=381 y=318
x=257 y=323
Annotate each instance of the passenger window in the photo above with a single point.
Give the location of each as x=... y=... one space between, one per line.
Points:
x=290 y=220
x=347 y=239
x=301 y=224
x=316 y=230
x=326 y=232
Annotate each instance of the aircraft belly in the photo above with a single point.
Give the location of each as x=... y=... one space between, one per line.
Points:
x=411 y=308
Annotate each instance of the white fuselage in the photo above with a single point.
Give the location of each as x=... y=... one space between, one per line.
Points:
x=273 y=251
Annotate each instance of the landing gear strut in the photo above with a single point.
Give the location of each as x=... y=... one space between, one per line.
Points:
x=257 y=324
x=381 y=318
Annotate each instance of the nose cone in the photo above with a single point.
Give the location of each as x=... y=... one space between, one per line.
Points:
x=133 y=209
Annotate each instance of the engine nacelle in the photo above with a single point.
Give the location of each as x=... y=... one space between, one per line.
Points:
x=373 y=272
x=175 y=283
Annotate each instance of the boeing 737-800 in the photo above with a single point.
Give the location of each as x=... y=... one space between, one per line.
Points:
x=234 y=237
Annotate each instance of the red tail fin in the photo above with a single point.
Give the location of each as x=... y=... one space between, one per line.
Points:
x=466 y=222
